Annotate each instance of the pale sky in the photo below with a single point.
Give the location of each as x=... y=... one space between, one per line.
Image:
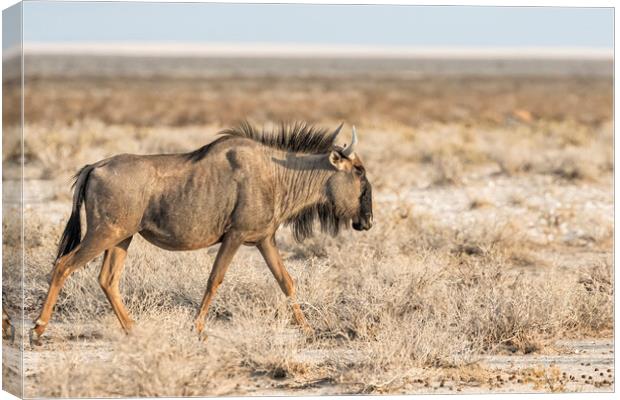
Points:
x=375 y=25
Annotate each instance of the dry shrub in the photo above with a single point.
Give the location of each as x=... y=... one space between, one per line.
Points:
x=164 y=357
x=11 y=150
x=272 y=348
x=448 y=171
x=589 y=308
x=479 y=202
x=61 y=149
x=544 y=378
x=155 y=360
x=567 y=150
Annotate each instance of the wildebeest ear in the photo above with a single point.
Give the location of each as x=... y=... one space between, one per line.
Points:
x=336 y=159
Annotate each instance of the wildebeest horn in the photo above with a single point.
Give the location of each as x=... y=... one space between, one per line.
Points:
x=348 y=150
x=337 y=131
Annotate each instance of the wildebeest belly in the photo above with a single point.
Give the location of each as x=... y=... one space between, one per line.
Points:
x=188 y=218
x=169 y=242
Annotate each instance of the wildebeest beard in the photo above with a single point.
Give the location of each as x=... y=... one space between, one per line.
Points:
x=330 y=220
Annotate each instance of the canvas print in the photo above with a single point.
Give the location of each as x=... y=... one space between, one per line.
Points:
x=217 y=199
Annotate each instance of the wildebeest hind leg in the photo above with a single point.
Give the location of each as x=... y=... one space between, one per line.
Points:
x=110 y=277
x=91 y=247
x=230 y=245
x=272 y=257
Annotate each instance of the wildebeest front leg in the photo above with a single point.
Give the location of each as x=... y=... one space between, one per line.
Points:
x=274 y=261
x=230 y=245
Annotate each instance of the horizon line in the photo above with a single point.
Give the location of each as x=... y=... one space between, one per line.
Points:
x=300 y=50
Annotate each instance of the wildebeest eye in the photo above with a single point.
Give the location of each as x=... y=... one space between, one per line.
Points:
x=359 y=171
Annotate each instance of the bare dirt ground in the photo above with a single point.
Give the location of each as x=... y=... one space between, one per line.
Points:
x=573 y=366
x=489 y=268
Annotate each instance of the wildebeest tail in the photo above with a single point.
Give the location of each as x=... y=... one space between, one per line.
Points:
x=72 y=234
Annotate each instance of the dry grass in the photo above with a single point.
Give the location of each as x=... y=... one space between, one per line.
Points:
x=423 y=301
x=421 y=297
x=410 y=101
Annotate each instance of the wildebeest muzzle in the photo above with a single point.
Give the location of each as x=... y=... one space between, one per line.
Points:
x=363 y=222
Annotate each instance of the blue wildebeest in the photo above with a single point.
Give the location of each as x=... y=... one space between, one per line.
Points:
x=236 y=190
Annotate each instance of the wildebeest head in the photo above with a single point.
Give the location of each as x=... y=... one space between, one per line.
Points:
x=349 y=190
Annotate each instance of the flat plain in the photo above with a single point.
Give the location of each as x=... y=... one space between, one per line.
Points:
x=489 y=268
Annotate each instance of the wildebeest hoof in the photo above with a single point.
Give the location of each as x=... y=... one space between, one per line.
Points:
x=35 y=338
x=308 y=332
x=202 y=337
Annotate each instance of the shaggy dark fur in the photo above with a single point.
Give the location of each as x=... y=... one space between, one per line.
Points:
x=302 y=224
x=298 y=137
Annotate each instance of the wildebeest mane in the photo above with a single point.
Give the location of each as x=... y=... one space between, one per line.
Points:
x=302 y=224
x=298 y=137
